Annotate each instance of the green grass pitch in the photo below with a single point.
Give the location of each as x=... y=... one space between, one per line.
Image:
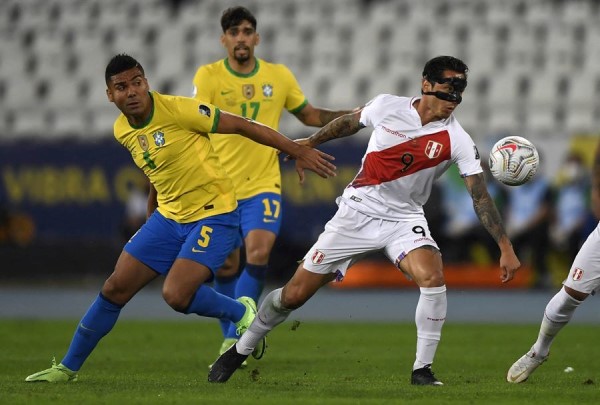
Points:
x=143 y=362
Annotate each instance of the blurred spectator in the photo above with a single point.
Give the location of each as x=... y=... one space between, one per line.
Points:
x=16 y=228
x=463 y=237
x=4 y=223
x=528 y=218
x=136 y=210
x=572 y=190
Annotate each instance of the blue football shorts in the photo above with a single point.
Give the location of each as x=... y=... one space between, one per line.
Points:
x=263 y=211
x=209 y=241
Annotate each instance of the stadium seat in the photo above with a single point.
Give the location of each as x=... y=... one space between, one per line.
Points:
x=101 y=120
x=481 y=52
x=580 y=120
x=543 y=119
x=30 y=122
x=19 y=92
x=503 y=120
x=62 y=122
x=342 y=51
x=13 y=61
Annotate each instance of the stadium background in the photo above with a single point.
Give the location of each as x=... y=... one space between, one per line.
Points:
x=64 y=181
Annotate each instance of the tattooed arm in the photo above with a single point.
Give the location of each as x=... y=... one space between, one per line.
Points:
x=318 y=117
x=346 y=125
x=485 y=208
x=488 y=215
x=596 y=183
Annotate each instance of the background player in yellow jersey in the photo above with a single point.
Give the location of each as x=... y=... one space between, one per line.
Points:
x=188 y=237
x=251 y=87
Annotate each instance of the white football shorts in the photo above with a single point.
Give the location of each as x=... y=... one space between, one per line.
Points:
x=584 y=275
x=351 y=235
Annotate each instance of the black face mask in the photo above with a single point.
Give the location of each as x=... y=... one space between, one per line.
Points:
x=458 y=85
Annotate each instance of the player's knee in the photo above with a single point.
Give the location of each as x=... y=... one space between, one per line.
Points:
x=293 y=297
x=115 y=292
x=176 y=299
x=231 y=265
x=258 y=255
x=227 y=271
x=577 y=295
x=431 y=279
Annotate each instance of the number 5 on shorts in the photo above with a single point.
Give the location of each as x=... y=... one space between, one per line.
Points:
x=204 y=236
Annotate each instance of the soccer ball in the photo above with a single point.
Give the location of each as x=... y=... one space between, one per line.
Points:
x=514 y=160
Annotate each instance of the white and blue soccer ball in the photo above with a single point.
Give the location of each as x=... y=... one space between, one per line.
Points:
x=514 y=160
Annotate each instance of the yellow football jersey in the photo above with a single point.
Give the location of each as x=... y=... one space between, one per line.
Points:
x=174 y=151
x=260 y=95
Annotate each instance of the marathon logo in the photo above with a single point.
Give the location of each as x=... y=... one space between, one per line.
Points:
x=393 y=132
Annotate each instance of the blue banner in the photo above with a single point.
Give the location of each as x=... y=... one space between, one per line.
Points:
x=77 y=190
x=71 y=190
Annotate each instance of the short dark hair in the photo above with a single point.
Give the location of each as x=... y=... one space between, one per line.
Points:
x=120 y=63
x=435 y=67
x=234 y=16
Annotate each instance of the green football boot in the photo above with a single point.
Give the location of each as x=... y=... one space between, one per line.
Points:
x=251 y=311
x=243 y=325
x=55 y=374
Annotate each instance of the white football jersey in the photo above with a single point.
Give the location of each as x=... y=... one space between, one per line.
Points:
x=404 y=158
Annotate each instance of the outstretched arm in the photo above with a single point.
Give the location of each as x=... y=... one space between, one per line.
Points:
x=346 y=125
x=318 y=117
x=306 y=157
x=488 y=215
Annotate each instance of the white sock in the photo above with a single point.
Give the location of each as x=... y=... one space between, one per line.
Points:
x=270 y=314
x=558 y=313
x=429 y=317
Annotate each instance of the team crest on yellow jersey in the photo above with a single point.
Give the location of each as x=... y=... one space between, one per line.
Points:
x=159 y=138
x=248 y=91
x=267 y=90
x=143 y=141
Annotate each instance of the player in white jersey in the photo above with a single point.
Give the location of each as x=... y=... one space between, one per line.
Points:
x=583 y=280
x=414 y=140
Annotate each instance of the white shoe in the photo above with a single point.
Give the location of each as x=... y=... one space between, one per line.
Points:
x=522 y=368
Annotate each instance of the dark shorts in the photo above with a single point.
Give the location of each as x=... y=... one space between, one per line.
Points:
x=209 y=241
x=263 y=211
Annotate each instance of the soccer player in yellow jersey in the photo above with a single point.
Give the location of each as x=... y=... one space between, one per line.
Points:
x=245 y=85
x=188 y=237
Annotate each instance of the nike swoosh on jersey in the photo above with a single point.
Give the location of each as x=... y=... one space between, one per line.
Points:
x=269 y=220
x=223 y=93
x=197 y=250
